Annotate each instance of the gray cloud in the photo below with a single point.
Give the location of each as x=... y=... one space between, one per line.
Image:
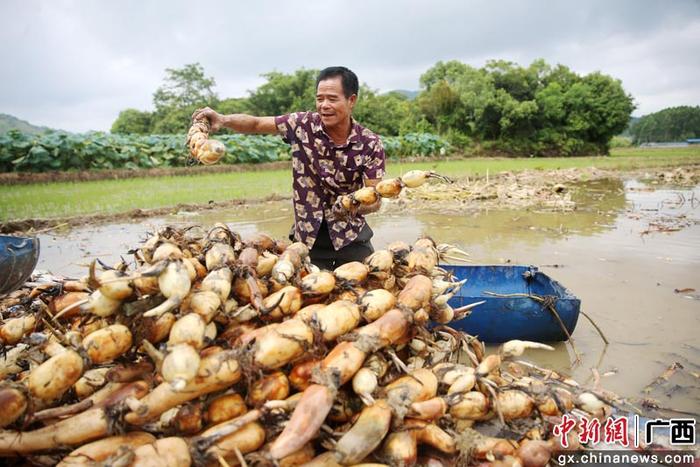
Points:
x=76 y=64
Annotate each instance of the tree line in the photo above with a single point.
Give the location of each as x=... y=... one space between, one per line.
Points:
x=501 y=107
x=668 y=125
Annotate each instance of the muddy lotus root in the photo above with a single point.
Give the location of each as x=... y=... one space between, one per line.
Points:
x=205 y=348
x=204 y=150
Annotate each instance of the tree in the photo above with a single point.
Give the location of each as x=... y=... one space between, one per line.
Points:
x=456 y=97
x=386 y=114
x=520 y=83
x=535 y=109
x=173 y=120
x=234 y=105
x=184 y=90
x=451 y=72
x=284 y=93
x=597 y=109
x=133 y=121
x=184 y=87
x=441 y=105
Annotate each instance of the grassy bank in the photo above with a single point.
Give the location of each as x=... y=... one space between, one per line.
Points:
x=112 y=196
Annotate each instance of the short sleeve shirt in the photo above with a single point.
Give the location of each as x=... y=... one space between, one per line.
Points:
x=323 y=171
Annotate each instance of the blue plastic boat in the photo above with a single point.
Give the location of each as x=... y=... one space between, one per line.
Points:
x=524 y=315
x=18 y=257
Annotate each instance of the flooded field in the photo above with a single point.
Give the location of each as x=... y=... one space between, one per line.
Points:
x=630 y=251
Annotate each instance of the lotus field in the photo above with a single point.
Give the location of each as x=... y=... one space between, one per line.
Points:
x=20 y=152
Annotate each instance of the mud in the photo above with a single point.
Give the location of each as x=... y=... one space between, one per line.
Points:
x=551 y=190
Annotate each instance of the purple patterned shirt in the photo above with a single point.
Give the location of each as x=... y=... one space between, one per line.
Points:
x=323 y=171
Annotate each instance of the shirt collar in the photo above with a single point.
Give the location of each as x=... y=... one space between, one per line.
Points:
x=355 y=130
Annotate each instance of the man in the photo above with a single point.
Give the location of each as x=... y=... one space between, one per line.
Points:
x=332 y=155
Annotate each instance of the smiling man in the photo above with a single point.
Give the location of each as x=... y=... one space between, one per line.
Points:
x=332 y=155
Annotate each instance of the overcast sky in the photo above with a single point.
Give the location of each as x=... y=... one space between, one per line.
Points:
x=75 y=64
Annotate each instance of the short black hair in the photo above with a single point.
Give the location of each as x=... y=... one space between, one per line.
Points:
x=348 y=78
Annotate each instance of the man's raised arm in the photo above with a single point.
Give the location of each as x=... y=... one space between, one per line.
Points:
x=240 y=123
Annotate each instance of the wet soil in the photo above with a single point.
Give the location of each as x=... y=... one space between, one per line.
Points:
x=531 y=189
x=33 y=226
x=628 y=245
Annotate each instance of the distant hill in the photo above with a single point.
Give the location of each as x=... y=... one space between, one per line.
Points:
x=409 y=94
x=8 y=122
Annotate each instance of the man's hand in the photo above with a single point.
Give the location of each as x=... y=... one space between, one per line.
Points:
x=343 y=210
x=364 y=209
x=374 y=207
x=216 y=120
x=240 y=123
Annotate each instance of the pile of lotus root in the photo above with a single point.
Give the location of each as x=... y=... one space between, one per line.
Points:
x=203 y=348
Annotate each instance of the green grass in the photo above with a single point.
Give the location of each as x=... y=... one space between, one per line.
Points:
x=65 y=199
x=113 y=196
x=620 y=159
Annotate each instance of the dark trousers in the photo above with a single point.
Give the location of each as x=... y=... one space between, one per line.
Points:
x=326 y=257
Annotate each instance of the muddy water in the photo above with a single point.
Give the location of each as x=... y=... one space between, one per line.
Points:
x=609 y=252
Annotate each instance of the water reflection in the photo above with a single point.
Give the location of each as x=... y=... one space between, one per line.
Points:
x=598 y=205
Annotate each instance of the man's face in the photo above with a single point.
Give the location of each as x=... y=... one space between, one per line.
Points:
x=331 y=103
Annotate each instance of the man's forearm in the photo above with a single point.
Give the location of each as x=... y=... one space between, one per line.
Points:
x=242 y=123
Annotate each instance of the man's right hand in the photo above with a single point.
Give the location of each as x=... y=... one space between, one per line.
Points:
x=344 y=210
x=216 y=120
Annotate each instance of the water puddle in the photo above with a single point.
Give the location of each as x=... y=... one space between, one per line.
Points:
x=630 y=251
